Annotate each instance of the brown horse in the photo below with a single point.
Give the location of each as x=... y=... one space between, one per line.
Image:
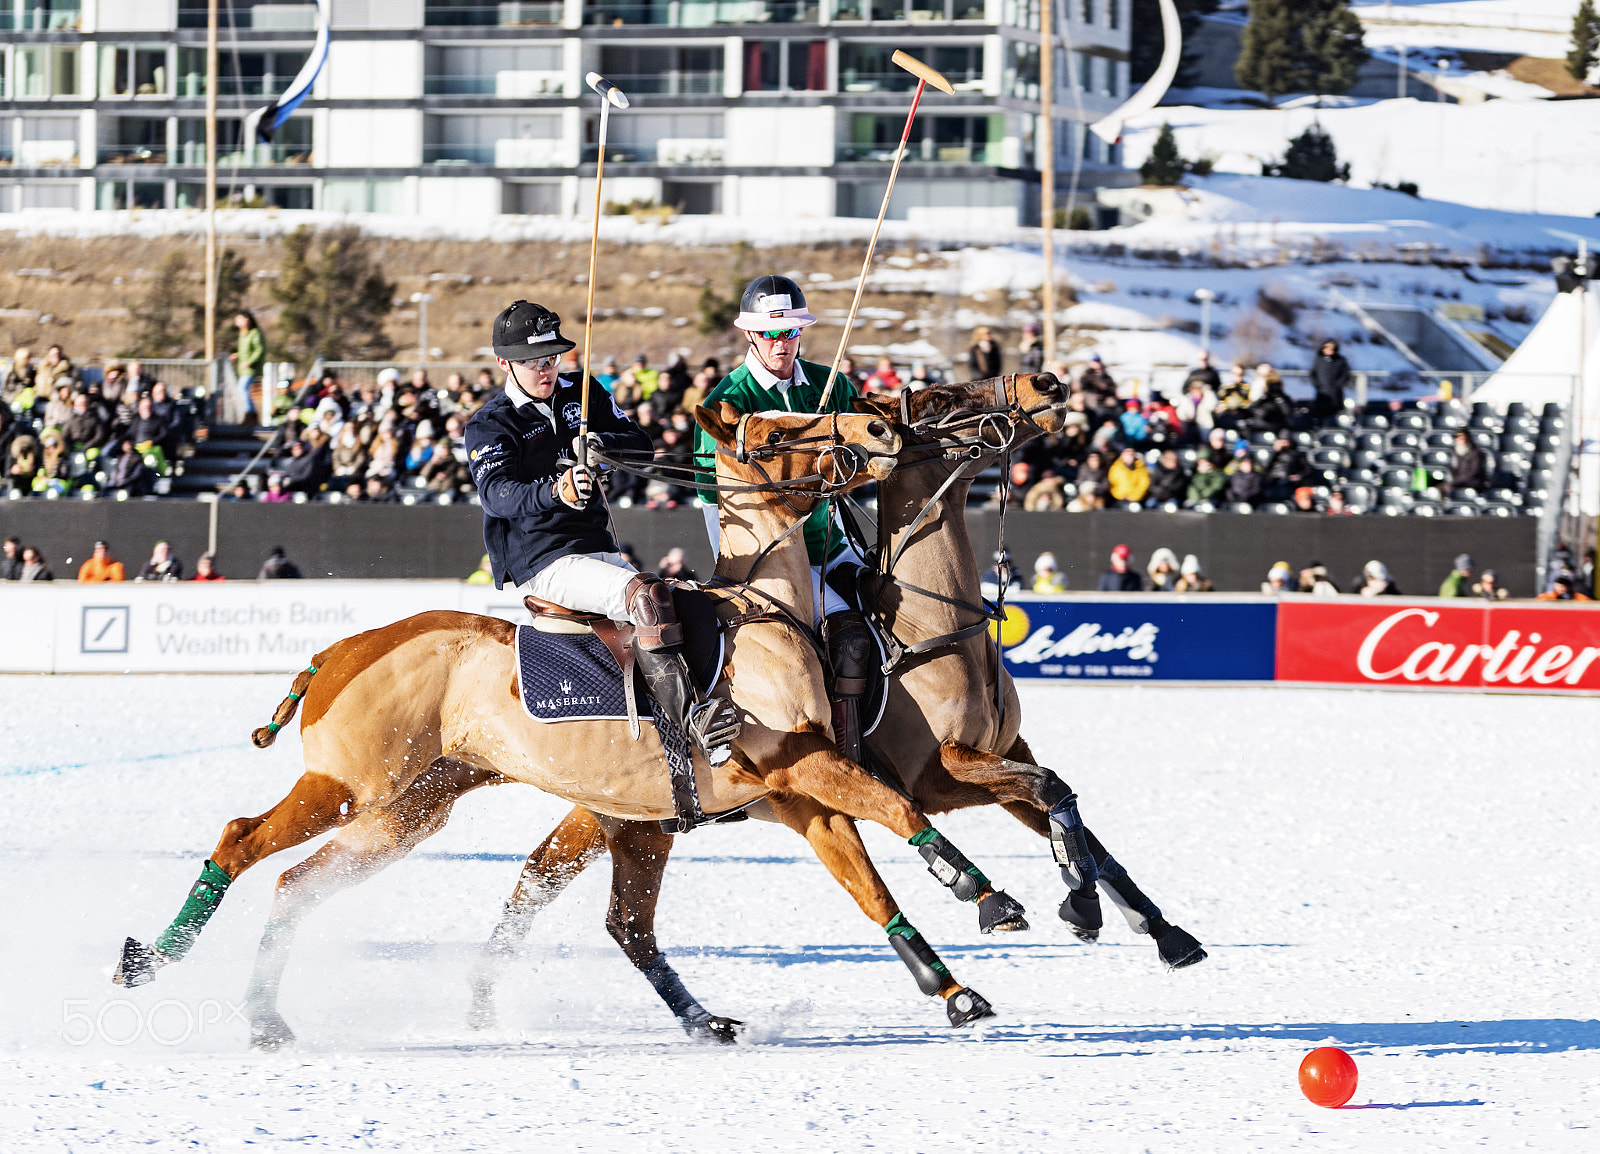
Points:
x=400 y=721
x=943 y=720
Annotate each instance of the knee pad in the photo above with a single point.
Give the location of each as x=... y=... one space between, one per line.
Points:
x=654 y=615
x=849 y=652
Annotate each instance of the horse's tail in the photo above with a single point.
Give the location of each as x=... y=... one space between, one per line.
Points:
x=285 y=712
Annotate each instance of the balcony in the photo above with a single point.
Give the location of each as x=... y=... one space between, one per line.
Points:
x=902 y=81
x=130 y=154
x=43 y=16
x=669 y=83
x=508 y=153
x=925 y=153
x=689 y=151
x=48 y=154
x=703 y=13
x=506 y=85
x=507 y=14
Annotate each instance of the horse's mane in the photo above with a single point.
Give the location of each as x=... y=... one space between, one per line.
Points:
x=937 y=400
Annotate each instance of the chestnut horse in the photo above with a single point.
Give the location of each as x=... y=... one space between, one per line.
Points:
x=943 y=718
x=399 y=718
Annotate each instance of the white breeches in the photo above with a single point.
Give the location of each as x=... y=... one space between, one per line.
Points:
x=587 y=582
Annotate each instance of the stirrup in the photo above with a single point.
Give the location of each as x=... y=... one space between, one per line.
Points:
x=713 y=725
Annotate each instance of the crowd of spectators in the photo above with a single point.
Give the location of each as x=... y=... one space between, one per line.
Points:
x=66 y=428
x=19 y=562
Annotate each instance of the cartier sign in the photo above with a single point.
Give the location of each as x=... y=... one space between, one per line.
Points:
x=1438 y=643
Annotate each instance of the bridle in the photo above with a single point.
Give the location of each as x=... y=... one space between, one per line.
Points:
x=996 y=431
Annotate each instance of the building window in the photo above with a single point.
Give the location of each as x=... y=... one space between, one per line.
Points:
x=692 y=197
x=481 y=13
x=1022 y=14
x=1022 y=71
x=45 y=15
x=291 y=143
x=679 y=138
x=664 y=71
x=115 y=196
x=363 y=196
x=47 y=196
x=867 y=67
x=1113 y=13
x=250 y=15
x=1086 y=11
x=785 y=65
x=504 y=71
x=703 y=13
x=49 y=140
x=530 y=198
x=135 y=140
x=130 y=70
x=506 y=141
x=934 y=139
x=46 y=70
x=239 y=73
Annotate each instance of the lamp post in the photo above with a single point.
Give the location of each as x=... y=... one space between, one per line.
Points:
x=1205 y=296
x=421 y=301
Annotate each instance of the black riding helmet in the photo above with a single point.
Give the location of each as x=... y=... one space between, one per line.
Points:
x=524 y=331
x=772 y=302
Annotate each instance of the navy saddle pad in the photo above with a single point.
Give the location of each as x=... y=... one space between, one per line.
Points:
x=573 y=677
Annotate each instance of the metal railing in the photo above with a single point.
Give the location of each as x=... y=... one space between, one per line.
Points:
x=927 y=152
x=669 y=83
x=508 y=13
x=703 y=13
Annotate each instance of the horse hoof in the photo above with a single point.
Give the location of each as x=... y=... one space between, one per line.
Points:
x=1001 y=913
x=967 y=1006
x=138 y=964
x=1081 y=912
x=269 y=1032
x=1179 y=949
x=719 y=1031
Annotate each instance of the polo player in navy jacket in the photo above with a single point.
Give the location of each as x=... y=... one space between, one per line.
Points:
x=545 y=522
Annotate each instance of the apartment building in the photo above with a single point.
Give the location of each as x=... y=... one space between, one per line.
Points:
x=780 y=108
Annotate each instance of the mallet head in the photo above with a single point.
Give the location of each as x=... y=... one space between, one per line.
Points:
x=918 y=69
x=614 y=95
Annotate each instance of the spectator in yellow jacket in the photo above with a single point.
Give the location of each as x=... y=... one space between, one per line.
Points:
x=1128 y=477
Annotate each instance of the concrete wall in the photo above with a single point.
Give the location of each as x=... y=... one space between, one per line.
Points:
x=446 y=541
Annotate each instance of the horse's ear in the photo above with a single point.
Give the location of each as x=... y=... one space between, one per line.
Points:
x=719 y=426
x=875 y=407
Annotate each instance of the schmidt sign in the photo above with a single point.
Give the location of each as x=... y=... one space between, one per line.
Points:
x=1202 y=638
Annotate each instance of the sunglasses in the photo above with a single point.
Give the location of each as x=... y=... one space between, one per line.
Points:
x=780 y=334
x=540 y=363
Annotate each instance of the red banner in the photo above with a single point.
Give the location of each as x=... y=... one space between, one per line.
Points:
x=1387 y=641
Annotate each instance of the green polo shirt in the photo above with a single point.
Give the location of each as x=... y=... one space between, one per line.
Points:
x=744 y=392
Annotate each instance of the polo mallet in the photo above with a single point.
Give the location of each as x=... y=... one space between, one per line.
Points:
x=610 y=97
x=925 y=76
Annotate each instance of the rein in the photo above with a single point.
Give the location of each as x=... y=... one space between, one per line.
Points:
x=997 y=433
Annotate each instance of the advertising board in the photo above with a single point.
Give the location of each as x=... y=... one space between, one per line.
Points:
x=1389 y=642
x=1166 y=638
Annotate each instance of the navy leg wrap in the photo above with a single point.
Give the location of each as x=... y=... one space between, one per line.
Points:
x=1141 y=912
x=667 y=984
x=1069 y=841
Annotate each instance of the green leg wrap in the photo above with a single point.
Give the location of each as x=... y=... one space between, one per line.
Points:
x=930 y=973
x=949 y=865
x=197 y=909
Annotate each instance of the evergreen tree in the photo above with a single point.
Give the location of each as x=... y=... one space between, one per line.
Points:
x=1300 y=46
x=1165 y=164
x=159 y=329
x=1311 y=156
x=1585 y=42
x=334 y=297
x=1146 y=41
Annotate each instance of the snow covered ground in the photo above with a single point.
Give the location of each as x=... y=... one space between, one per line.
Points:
x=1516 y=156
x=1534 y=27
x=1404 y=875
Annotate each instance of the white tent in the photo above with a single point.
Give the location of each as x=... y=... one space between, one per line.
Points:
x=1545 y=367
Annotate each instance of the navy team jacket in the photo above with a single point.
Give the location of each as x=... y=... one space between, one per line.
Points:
x=514 y=453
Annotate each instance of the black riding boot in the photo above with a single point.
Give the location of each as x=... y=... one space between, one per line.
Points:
x=850 y=654
x=710 y=723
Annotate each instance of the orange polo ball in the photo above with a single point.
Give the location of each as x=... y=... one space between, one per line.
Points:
x=1328 y=1077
